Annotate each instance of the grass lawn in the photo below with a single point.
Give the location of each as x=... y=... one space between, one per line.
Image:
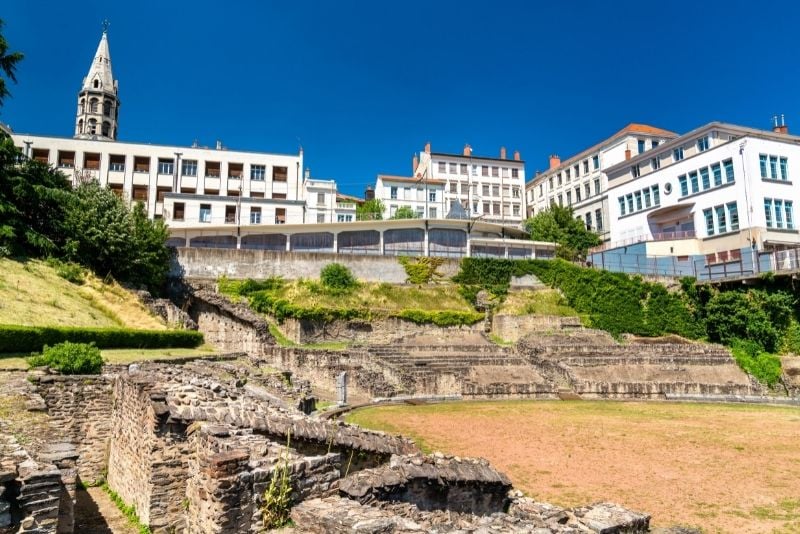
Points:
x=119 y=356
x=725 y=468
x=32 y=294
x=387 y=297
x=536 y=301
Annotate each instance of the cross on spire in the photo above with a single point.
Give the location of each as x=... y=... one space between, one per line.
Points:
x=106 y=24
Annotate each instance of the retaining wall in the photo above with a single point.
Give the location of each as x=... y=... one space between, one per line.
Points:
x=259 y=264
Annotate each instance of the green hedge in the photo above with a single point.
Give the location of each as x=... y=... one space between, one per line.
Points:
x=33 y=338
x=440 y=317
x=615 y=302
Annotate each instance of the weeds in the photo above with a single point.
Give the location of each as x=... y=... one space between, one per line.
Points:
x=128 y=511
x=277 y=499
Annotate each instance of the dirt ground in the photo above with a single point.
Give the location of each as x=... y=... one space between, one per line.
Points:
x=96 y=514
x=724 y=468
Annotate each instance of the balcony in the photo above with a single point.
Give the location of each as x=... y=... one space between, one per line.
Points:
x=672 y=236
x=116 y=177
x=345 y=206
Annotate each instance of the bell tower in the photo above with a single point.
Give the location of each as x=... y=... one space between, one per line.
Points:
x=98 y=99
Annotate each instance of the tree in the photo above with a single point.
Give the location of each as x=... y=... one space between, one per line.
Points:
x=557 y=224
x=371 y=210
x=33 y=201
x=404 y=212
x=8 y=65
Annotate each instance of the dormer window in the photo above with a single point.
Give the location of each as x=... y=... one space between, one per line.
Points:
x=96 y=84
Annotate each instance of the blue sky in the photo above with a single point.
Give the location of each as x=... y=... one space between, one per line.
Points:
x=362 y=85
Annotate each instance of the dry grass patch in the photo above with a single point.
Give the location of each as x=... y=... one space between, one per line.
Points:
x=536 y=301
x=32 y=294
x=726 y=468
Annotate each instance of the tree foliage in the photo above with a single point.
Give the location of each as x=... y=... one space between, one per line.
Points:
x=557 y=224
x=371 y=210
x=8 y=65
x=404 y=212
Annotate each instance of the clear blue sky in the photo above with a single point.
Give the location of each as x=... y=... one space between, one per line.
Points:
x=362 y=85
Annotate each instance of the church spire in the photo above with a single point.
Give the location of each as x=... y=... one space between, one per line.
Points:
x=98 y=100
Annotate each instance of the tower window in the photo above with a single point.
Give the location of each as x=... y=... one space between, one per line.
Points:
x=106 y=128
x=96 y=84
x=82 y=105
x=92 y=126
x=93 y=105
x=107 y=108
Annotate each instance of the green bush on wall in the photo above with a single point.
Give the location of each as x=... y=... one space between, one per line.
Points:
x=15 y=338
x=337 y=277
x=70 y=358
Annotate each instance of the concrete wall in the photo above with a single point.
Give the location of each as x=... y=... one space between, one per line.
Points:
x=212 y=263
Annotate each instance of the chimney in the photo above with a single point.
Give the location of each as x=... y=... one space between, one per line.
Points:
x=307 y=173
x=467 y=150
x=502 y=152
x=627 y=154
x=369 y=193
x=414 y=164
x=555 y=161
x=428 y=147
x=219 y=144
x=517 y=156
x=779 y=128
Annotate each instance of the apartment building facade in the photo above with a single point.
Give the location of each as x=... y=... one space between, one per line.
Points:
x=425 y=197
x=719 y=191
x=581 y=182
x=487 y=188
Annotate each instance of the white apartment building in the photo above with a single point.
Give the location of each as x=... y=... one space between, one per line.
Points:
x=185 y=186
x=715 y=192
x=581 y=181
x=425 y=197
x=486 y=188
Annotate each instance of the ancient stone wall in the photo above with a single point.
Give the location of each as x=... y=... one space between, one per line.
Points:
x=79 y=409
x=376 y=331
x=166 y=309
x=258 y=264
x=229 y=327
x=514 y=327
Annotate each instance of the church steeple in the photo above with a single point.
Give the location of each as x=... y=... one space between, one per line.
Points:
x=98 y=99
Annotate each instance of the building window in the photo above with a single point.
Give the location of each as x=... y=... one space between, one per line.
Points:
x=165 y=166
x=321 y=198
x=495 y=172
x=116 y=163
x=728 y=164
x=586 y=166
x=787 y=206
x=141 y=164
x=784 y=169
x=716 y=170
x=684 y=185
x=255 y=215
x=655 y=164
x=515 y=173
x=638 y=197
x=454 y=187
x=67 y=159
x=569 y=198
x=205 y=213
x=280 y=174
x=258 y=172
x=778 y=213
x=560 y=199
x=621 y=205
x=654 y=143
x=178 y=210
x=495 y=190
x=505 y=172
x=558 y=177
x=230 y=214
x=486 y=189
x=453 y=168
x=432 y=212
x=709 y=217
x=474 y=170
x=762 y=164
x=516 y=210
x=595 y=162
x=733 y=215
x=577 y=194
x=431 y=196
x=189 y=167
x=597 y=186
x=629 y=198
x=702 y=144
x=464 y=188
x=320 y=217
x=550 y=182
x=598 y=219
x=773 y=167
x=694 y=182
x=677 y=154
x=442 y=167
x=640 y=144
x=484 y=170
x=768 y=211
x=656 y=195
x=635 y=171
x=587 y=189
x=576 y=168
x=464 y=168
x=393 y=193
x=704 y=178
x=515 y=192
x=722 y=224
x=588 y=218
x=647 y=201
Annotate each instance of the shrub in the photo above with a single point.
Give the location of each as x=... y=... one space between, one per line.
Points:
x=440 y=318
x=243 y=288
x=337 y=277
x=70 y=358
x=71 y=272
x=15 y=338
x=764 y=366
x=753 y=315
x=421 y=270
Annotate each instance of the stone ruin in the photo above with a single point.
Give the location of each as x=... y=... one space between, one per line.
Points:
x=194 y=447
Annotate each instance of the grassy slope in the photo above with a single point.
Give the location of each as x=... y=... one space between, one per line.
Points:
x=378 y=296
x=32 y=294
x=118 y=356
x=536 y=301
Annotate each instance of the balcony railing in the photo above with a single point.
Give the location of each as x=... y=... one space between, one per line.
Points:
x=670 y=236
